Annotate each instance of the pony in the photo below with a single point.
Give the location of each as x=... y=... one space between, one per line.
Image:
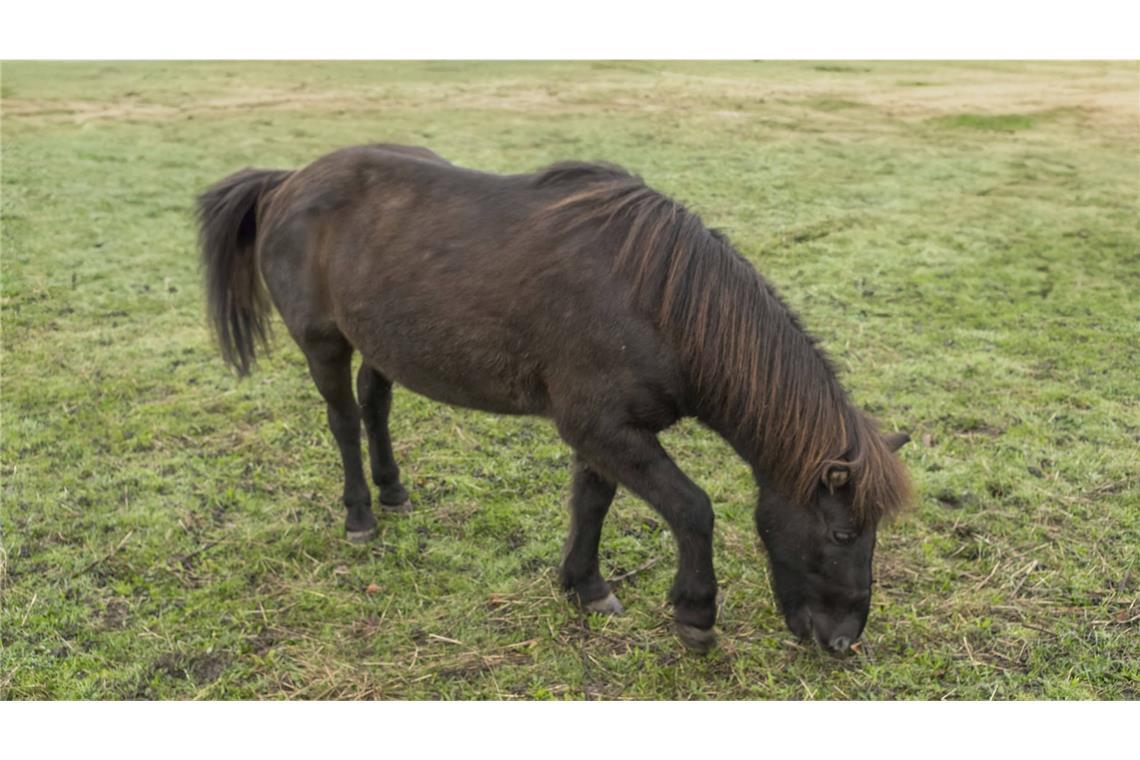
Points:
x=576 y=293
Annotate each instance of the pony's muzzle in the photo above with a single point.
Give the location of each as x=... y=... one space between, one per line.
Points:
x=831 y=636
x=837 y=638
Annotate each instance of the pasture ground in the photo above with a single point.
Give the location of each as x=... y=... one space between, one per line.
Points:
x=962 y=237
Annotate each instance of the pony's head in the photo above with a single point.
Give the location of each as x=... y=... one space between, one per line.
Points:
x=821 y=551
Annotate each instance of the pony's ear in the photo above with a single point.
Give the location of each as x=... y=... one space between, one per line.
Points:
x=835 y=477
x=895 y=441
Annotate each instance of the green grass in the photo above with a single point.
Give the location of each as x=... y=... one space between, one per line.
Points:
x=966 y=250
x=994 y=123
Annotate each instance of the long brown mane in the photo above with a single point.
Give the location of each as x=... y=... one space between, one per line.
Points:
x=758 y=374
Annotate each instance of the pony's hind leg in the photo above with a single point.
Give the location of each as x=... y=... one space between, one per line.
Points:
x=590 y=499
x=375 y=393
x=330 y=364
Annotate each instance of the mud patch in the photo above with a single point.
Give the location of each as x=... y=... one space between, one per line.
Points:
x=263 y=642
x=114 y=615
x=201 y=670
x=206 y=668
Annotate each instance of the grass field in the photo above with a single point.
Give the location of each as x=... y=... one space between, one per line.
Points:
x=962 y=237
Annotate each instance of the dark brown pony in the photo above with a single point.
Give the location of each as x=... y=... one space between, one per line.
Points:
x=579 y=294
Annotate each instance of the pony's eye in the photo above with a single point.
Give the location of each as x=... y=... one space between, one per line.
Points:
x=844 y=537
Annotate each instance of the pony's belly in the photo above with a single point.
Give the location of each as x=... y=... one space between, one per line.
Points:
x=505 y=386
x=471 y=398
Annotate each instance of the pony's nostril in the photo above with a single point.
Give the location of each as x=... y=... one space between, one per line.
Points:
x=840 y=644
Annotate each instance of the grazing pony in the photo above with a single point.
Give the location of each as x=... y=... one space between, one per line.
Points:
x=579 y=294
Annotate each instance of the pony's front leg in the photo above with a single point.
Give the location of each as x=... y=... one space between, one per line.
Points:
x=634 y=458
x=590 y=498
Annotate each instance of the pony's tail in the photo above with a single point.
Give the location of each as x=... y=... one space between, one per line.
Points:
x=236 y=298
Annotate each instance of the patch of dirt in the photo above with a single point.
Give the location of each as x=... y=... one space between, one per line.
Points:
x=263 y=642
x=951 y=500
x=365 y=628
x=534 y=565
x=206 y=668
x=169 y=665
x=115 y=614
x=202 y=669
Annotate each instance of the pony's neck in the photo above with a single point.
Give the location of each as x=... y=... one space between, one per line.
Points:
x=778 y=402
x=776 y=398
x=756 y=376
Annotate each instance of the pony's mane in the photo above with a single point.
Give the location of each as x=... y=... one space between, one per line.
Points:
x=758 y=374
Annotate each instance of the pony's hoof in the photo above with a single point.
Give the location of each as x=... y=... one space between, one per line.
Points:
x=360 y=536
x=699 y=640
x=401 y=509
x=606 y=606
